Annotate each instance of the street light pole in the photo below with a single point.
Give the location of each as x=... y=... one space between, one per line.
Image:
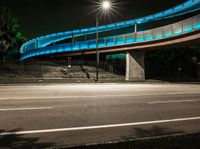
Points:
x=97 y=48
x=105 y=7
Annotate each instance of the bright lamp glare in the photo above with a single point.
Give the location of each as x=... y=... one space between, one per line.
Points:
x=106 y=5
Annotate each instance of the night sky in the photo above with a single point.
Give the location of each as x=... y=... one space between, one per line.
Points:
x=41 y=17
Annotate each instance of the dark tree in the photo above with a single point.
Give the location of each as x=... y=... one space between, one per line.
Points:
x=9 y=34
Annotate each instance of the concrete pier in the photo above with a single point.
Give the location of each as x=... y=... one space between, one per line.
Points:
x=135 y=66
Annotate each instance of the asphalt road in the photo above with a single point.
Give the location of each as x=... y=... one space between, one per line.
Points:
x=76 y=114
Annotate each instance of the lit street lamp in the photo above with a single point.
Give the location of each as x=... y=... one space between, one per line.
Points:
x=105 y=6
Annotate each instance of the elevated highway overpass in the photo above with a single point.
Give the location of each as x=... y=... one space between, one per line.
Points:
x=133 y=44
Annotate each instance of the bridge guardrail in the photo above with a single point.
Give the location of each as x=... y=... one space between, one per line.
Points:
x=43 y=41
x=168 y=31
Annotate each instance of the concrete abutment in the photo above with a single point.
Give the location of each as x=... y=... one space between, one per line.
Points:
x=135 y=66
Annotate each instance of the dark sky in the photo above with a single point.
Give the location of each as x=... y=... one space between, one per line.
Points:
x=40 y=17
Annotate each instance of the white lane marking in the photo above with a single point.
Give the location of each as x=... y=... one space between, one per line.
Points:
x=97 y=127
x=93 y=96
x=172 y=101
x=25 y=109
x=29 y=98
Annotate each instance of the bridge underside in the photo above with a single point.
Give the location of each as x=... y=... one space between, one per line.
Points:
x=134 y=44
x=135 y=53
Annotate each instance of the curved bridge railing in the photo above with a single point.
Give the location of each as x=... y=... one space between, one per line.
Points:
x=40 y=42
x=176 y=29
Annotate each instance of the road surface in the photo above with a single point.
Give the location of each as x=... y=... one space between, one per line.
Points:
x=77 y=114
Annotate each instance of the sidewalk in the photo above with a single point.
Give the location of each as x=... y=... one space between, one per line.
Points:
x=70 y=81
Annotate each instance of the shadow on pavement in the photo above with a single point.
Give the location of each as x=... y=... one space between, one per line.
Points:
x=21 y=142
x=139 y=132
x=187 y=141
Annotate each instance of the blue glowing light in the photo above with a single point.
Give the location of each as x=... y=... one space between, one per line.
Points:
x=169 y=34
x=178 y=32
x=140 y=39
x=130 y=40
x=148 y=38
x=158 y=36
x=188 y=29
x=197 y=26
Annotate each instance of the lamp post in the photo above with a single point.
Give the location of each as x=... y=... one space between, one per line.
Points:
x=105 y=6
x=97 y=49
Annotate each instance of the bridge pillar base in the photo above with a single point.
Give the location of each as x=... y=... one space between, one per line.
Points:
x=135 y=66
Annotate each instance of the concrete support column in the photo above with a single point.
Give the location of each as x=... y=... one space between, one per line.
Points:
x=135 y=66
